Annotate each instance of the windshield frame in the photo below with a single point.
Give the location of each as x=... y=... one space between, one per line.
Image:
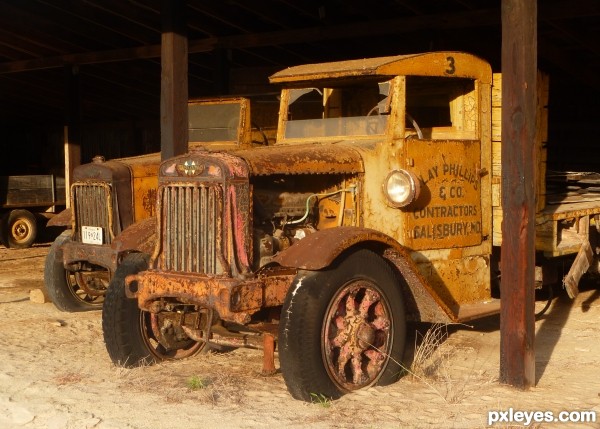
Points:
x=373 y=123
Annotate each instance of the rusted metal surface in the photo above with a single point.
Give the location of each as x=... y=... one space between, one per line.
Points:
x=210 y=292
x=357 y=342
x=204 y=199
x=428 y=64
x=320 y=249
x=422 y=304
x=300 y=159
x=294 y=206
x=268 y=355
x=118 y=175
x=75 y=252
x=92 y=204
x=317 y=251
x=233 y=299
x=140 y=237
x=61 y=219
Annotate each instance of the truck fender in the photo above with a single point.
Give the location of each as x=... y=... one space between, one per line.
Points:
x=61 y=219
x=319 y=250
x=139 y=237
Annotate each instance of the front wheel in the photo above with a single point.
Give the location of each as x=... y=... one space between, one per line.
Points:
x=342 y=329
x=72 y=291
x=134 y=337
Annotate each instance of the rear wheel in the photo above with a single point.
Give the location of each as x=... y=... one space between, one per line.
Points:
x=134 y=337
x=72 y=291
x=18 y=229
x=342 y=329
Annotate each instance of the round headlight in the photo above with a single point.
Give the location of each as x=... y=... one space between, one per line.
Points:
x=401 y=188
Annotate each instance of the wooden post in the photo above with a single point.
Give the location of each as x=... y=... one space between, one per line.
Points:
x=519 y=95
x=174 y=80
x=72 y=129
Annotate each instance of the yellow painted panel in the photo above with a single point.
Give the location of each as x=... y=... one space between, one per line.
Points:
x=448 y=213
x=144 y=196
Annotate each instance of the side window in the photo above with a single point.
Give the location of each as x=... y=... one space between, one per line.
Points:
x=441 y=108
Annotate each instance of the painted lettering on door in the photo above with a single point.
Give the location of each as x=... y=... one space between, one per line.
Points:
x=449 y=212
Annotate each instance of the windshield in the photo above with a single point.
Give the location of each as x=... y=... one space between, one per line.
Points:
x=356 y=110
x=213 y=122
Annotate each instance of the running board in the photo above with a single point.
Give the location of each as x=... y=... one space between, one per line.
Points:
x=476 y=310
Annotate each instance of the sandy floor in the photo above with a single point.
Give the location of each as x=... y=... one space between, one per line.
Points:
x=55 y=373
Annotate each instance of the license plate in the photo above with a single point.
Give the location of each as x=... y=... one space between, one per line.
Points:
x=91 y=234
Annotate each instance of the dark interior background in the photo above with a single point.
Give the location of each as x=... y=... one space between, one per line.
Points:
x=110 y=47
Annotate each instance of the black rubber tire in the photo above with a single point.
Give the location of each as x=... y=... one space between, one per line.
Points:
x=121 y=325
x=302 y=326
x=60 y=283
x=18 y=229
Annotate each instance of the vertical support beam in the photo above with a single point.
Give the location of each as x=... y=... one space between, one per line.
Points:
x=519 y=95
x=72 y=129
x=174 y=80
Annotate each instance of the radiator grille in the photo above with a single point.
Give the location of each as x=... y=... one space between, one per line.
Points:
x=92 y=204
x=191 y=228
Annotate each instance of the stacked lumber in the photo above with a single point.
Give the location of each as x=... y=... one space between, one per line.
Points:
x=572 y=187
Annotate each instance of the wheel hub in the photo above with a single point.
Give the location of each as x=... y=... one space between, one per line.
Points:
x=357 y=336
x=20 y=231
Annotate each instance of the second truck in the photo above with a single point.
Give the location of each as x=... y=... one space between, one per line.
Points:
x=108 y=196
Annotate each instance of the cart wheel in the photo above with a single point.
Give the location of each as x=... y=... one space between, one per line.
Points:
x=342 y=329
x=18 y=229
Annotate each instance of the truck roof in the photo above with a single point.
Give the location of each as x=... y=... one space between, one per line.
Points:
x=444 y=63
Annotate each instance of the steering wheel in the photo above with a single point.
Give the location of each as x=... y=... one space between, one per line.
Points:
x=262 y=133
x=415 y=125
x=410 y=119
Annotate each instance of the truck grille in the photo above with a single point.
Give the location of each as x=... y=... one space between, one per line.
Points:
x=191 y=228
x=92 y=205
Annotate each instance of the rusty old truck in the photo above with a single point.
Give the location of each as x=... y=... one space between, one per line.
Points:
x=379 y=203
x=109 y=196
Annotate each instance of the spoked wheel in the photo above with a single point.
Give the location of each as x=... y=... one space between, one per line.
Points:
x=166 y=338
x=89 y=287
x=356 y=340
x=134 y=337
x=342 y=329
x=72 y=291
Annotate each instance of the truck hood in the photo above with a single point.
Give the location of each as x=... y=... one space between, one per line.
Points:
x=302 y=159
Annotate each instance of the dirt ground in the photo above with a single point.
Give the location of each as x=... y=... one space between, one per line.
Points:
x=55 y=373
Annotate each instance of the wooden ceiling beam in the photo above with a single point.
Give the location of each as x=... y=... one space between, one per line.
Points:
x=465 y=19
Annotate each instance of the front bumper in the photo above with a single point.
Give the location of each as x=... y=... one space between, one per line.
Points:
x=235 y=300
x=103 y=255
